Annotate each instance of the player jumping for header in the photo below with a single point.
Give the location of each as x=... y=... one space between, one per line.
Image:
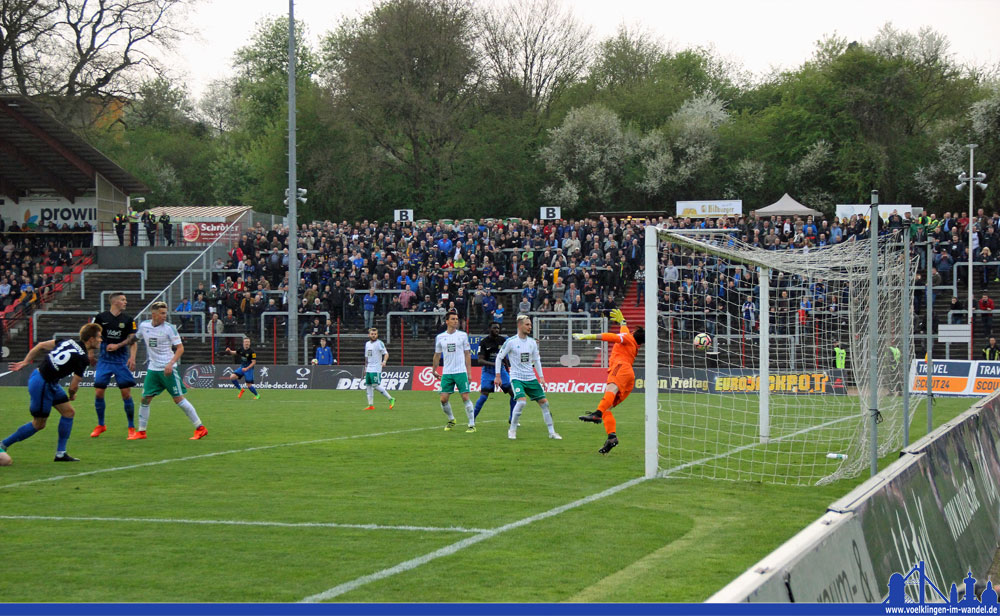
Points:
x=621 y=378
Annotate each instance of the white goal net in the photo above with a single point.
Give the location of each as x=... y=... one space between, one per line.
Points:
x=780 y=394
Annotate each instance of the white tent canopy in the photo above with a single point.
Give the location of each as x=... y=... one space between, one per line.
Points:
x=786 y=206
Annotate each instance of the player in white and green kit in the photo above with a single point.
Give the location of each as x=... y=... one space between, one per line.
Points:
x=453 y=345
x=164 y=349
x=375 y=357
x=525 y=362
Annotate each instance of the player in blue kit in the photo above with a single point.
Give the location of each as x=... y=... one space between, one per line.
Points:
x=488 y=348
x=248 y=359
x=62 y=358
x=117 y=359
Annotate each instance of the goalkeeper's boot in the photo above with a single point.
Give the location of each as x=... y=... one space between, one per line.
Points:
x=99 y=430
x=448 y=427
x=609 y=444
x=594 y=417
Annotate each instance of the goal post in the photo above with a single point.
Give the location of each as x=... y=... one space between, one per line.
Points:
x=781 y=395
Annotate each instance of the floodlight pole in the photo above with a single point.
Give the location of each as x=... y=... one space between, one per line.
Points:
x=293 y=198
x=873 y=335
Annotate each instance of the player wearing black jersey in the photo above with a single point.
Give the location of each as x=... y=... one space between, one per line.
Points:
x=117 y=359
x=248 y=359
x=62 y=357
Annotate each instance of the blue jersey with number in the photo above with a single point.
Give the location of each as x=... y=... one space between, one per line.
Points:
x=68 y=357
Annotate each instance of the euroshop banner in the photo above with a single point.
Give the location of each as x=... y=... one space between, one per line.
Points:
x=742 y=381
x=956 y=378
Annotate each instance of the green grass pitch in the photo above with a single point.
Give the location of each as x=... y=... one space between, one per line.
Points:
x=301 y=494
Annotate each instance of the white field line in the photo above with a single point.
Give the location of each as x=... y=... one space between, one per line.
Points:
x=464 y=543
x=217 y=453
x=448 y=550
x=426 y=529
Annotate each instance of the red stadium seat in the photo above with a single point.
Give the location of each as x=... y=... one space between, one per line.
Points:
x=78 y=252
x=48 y=271
x=58 y=269
x=58 y=287
x=88 y=260
x=78 y=269
x=68 y=279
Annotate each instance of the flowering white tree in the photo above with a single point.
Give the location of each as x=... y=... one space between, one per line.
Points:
x=588 y=155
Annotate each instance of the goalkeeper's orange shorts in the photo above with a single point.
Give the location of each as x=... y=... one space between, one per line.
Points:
x=621 y=376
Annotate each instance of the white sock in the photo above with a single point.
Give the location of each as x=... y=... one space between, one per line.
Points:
x=518 y=407
x=371 y=396
x=143 y=417
x=470 y=412
x=381 y=389
x=190 y=412
x=547 y=416
x=446 y=407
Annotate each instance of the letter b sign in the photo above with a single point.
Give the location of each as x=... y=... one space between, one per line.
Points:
x=403 y=215
x=550 y=213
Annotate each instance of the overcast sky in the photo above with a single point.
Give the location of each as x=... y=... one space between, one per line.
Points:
x=759 y=34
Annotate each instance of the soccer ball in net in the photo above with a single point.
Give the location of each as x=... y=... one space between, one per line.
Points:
x=702 y=341
x=314 y=362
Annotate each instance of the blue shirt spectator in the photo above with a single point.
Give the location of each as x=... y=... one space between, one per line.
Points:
x=324 y=354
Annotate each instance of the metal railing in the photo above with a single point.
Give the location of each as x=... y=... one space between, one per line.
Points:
x=107 y=293
x=174 y=291
x=284 y=313
x=83 y=278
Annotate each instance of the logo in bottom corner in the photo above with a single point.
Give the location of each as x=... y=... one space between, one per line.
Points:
x=915 y=588
x=200 y=376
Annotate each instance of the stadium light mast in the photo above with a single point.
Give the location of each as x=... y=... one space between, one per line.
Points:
x=972 y=179
x=292 y=201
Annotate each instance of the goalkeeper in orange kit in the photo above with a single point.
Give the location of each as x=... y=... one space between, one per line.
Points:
x=621 y=378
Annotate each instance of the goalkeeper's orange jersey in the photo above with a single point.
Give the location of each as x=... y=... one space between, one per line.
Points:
x=625 y=349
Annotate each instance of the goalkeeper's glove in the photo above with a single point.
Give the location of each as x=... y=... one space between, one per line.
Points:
x=617 y=316
x=584 y=336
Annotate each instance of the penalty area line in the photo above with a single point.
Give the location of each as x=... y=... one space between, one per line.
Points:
x=448 y=550
x=214 y=454
x=427 y=529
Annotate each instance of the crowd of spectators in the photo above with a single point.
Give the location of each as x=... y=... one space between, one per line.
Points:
x=32 y=263
x=353 y=274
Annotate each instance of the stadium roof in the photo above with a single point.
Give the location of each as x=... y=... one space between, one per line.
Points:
x=39 y=152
